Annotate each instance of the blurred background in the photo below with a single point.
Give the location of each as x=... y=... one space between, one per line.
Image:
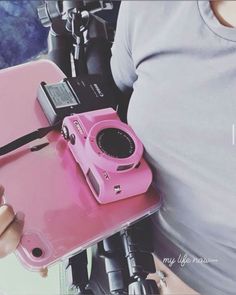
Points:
x=21 y=33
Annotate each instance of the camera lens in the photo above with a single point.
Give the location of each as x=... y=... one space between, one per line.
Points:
x=37 y=252
x=115 y=143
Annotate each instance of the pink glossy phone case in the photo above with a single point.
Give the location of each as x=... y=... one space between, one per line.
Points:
x=61 y=215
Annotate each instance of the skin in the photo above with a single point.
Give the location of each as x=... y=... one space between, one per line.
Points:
x=225 y=12
x=11 y=226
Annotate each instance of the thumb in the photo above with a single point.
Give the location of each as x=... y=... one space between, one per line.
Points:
x=43 y=272
x=1 y=193
x=20 y=217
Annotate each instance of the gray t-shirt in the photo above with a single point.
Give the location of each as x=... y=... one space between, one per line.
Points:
x=181 y=63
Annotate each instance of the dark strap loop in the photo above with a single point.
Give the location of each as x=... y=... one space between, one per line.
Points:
x=40 y=133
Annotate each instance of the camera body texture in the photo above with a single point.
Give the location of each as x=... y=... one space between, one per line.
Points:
x=109 y=154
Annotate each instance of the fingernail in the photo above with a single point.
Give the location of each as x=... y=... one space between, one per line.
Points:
x=44 y=272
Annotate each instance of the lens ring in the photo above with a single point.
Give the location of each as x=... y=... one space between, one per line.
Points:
x=115 y=143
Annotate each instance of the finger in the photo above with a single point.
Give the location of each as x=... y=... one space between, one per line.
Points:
x=1 y=192
x=6 y=217
x=43 y=272
x=10 y=239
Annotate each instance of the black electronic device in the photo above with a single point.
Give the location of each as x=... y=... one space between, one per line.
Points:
x=75 y=95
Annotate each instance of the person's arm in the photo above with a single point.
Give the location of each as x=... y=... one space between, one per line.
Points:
x=11 y=226
x=122 y=66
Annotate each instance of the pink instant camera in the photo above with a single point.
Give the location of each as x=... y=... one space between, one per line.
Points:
x=109 y=153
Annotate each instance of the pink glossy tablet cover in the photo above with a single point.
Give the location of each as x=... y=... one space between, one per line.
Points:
x=61 y=215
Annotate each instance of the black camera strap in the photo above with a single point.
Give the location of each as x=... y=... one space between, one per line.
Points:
x=37 y=134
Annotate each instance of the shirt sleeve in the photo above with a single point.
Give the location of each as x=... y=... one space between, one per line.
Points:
x=122 y=65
